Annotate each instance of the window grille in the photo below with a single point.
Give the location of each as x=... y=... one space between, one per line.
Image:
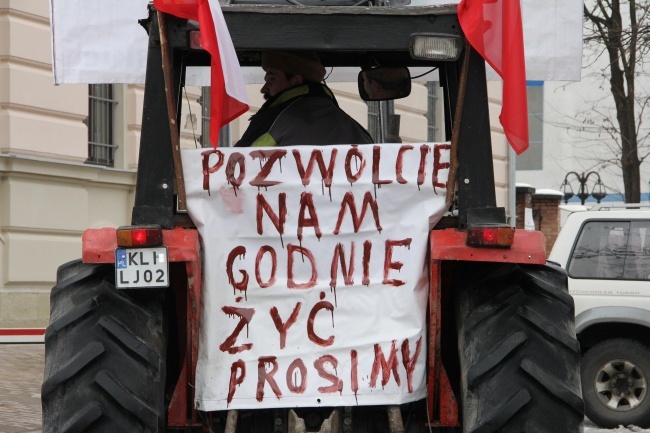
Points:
x=432 y=102
x=101 y=113
x=373 y=120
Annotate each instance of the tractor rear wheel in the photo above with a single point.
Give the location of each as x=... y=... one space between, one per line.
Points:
x=104 y=355
x=519 y=357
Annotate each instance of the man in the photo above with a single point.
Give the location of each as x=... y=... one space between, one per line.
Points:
x=299 y=108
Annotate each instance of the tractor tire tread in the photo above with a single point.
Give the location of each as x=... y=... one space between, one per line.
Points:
x=519 y=355
x=104 y=355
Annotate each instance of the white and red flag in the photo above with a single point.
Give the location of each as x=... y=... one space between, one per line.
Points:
x=228 y=99
x=493 y=28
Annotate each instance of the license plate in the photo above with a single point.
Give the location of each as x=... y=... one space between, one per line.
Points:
x=141 y=267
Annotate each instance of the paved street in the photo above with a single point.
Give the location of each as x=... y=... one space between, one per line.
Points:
x=21 y=374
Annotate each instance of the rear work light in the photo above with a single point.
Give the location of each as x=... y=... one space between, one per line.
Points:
x=139 y=236
x=435 y=47
x=495 y=237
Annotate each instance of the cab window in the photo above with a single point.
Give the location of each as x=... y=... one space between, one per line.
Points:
x=612 y=250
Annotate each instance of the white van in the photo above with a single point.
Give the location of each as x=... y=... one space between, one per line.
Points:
x=606 y=252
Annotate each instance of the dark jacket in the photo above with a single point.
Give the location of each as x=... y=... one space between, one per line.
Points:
x=306 y=114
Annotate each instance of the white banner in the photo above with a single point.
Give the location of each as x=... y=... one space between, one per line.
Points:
x=100 y=41
x=315 y=282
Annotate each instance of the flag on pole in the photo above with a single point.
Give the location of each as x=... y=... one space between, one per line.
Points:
x=493 y=28
x=228 y=98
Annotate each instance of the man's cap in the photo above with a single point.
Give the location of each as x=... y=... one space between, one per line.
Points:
x=305 y=64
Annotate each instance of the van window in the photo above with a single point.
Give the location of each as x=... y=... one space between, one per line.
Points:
x=612 y=250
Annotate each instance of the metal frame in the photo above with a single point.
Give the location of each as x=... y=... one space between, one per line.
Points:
x=154 y=193
x=385 y=31
x=475 y=180
x=155 y=202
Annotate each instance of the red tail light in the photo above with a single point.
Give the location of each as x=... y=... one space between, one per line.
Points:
x=139 y=236
x=499 y=237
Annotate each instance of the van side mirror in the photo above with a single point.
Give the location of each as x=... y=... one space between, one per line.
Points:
x=382 y=83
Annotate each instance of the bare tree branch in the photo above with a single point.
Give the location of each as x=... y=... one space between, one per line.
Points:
x=612 y=131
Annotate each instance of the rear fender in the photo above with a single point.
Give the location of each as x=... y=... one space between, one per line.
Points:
x=183 y=246
x=98 y=245
x=528 y=247
x=451 y=245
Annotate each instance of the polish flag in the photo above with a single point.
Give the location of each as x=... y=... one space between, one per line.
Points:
x=228 y=97
x=493 y=28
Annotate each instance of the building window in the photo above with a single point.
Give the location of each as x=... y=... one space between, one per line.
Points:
x=532 y=159
x=432 y=103
x=380 y=127
x=101 y=117
x=224 y=133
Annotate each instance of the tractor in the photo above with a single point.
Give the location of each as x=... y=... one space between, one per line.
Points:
x=501 y=351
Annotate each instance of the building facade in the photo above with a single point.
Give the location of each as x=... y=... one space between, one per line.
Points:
x=573 y=129
x=68 y=155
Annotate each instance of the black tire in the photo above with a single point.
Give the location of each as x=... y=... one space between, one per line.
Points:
x=615 y=381
x=519 y=357
x=104 y=355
